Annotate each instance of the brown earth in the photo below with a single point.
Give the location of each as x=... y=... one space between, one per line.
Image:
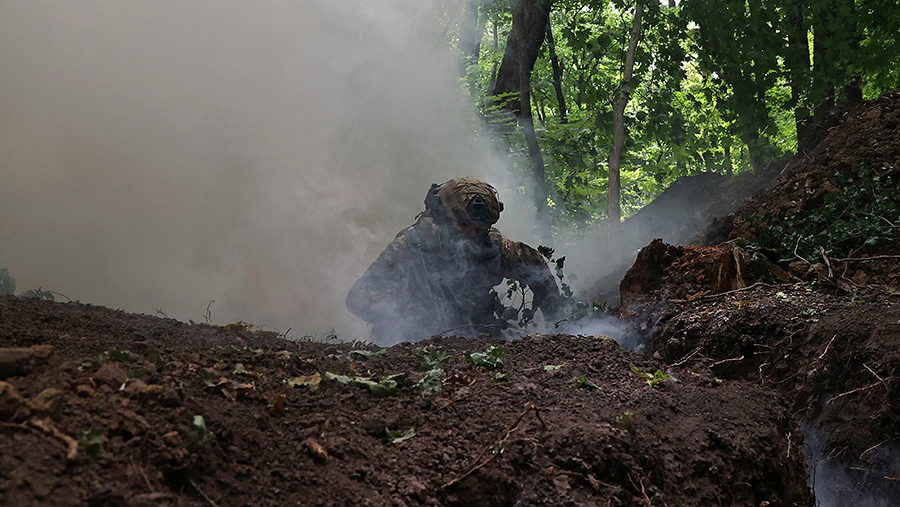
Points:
x=823 y=331
x=531 y=437
x=774 y=389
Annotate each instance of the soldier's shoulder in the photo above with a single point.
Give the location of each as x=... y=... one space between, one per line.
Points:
x=423 y=232
x=519 y=252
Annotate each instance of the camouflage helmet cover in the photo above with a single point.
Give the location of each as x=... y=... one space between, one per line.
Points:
x=468 y=201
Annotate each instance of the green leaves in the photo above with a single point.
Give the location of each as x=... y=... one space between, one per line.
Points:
x=430 y=359
x=431 y=383
x=582 y=381
x=652 y=380
x=401 y=436
x=492 y=358
x=861 y=213
x=387 y=386
x=202 y=436
x=121 y=356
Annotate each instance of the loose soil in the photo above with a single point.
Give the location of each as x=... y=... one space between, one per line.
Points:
x=760 y=383
x=530 y=436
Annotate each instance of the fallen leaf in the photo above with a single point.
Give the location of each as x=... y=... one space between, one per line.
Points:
x=312 y=381
x=315 y=449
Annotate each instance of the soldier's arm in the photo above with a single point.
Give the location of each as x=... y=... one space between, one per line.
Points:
x=527 y=265
x=374 y=296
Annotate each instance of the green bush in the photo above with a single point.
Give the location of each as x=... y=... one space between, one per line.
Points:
x=863 y=215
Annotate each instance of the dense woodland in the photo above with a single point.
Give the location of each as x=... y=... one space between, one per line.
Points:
x=603 y=104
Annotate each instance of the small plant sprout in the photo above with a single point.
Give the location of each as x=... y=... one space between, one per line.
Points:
x=623 y=422
x=430 y=359
x=278 y=403
x=582 y=381
x=202 y=436
x=401 y=436
x=652 y=380
x=92 y=440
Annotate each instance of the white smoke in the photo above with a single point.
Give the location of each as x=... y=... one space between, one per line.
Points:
x=838 y=477
x=161 y=155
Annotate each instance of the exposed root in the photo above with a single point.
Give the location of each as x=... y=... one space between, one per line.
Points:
x=858 y=389
x=729 y=360
x=643 y=491
x=45 y=427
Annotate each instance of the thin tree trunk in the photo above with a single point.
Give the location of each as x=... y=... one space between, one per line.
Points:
x=526 y=120
x=496 y=48
x=471 y=28
x=797 y=61
x=557 y=76
x=614 y=208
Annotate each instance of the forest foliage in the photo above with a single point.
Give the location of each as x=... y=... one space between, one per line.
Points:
x=718 y=86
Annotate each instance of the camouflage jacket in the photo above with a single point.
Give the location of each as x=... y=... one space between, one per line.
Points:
x=432 y=279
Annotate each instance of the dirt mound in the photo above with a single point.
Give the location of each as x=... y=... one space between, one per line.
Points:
x=804 y=299
x=835 y=217
x=105 y=412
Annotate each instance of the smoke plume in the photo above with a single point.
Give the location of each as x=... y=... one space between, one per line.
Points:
x=162 y=155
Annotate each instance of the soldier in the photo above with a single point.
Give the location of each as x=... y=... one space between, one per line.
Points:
x=438 y=274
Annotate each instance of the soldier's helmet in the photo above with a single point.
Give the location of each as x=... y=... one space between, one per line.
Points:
x=467 y=200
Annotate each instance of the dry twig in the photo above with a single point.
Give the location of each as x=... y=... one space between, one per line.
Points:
x=798 y=255
x=872 y=448
x=866 y=259
x=208 y=499
x=742 y=289
x=476 y=465
x=107 y=314
x=826 y=347
x=489 y=326
x=144 y=475
x=876 y=376
x=643 y=491
x=827 y=261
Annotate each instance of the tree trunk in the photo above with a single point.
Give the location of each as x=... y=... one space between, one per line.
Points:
x=797 y=61
x=512 y=86
x=496 y=47
x=470 y=29
x=523 y=45
x=823 y=64
x=614 y=209
x=530 y=19
x=557 y=76
x=729 y=168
